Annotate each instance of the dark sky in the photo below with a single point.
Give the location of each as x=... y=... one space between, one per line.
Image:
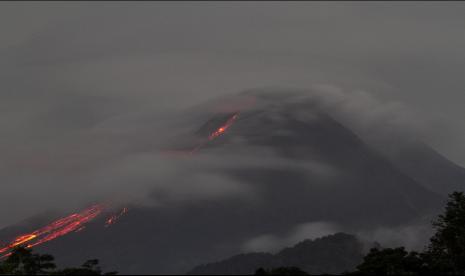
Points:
x=73 y=74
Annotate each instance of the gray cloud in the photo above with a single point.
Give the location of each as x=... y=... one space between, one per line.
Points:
x=121 y=156
x=89 y=90
x=412 y=236
x=274 y=243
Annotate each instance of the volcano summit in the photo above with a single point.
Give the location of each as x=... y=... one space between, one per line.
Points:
x=258 y=170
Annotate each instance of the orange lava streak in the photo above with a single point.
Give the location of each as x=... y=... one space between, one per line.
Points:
x=111 y=220
x=23 y=239
x=6 y=256
x=218 y=132
x=215 y=134
x=58 y=228
x=223 y=128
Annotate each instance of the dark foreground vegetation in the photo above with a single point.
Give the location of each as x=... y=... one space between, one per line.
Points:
x=23 y=261
x=445 y=253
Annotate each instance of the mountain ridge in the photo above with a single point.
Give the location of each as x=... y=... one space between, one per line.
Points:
x=332 y=254
x=313 y=168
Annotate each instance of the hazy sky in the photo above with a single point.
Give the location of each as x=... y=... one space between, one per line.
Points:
x=69 y=67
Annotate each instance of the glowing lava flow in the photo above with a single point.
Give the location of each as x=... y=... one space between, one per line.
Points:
x=218 y=132
x=111 y=220
x=58 y=228
x=76 y=222
x=223 y=128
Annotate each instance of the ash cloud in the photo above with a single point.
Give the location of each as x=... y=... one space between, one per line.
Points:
x=120 y=156
x=412 y=236
x=89 y=93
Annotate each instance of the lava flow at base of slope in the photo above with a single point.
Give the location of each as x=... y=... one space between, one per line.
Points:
x=73 y=223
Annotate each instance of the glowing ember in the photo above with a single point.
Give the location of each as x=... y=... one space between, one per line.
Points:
x=215 y=134
x=111 y=220
x=218 y=132
x=23 y=239
x=58 y=228
x=223 y=128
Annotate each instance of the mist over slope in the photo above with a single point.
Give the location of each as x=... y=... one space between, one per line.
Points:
x=333 y=254
x=287 y=160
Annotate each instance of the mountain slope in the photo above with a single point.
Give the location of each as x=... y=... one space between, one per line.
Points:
x=416 y=160
x=293 y=164
x=332 y=254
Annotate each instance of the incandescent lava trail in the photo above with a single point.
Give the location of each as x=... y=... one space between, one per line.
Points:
x=72 y=223
x=218 y=132
x=112 y=220
x=224 y=127
x=77 y=222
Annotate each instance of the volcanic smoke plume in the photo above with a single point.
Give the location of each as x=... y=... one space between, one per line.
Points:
x=77 y=222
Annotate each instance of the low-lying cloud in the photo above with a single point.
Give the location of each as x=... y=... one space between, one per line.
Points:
x=274 y=243
x=122 y=157
x=89 y=94
x=414 y=236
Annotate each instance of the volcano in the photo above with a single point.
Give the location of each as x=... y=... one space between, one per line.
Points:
x=299 y=165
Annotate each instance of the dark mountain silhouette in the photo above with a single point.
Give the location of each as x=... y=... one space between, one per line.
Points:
x=313 y=169
x=332 y=254
x=417 y=159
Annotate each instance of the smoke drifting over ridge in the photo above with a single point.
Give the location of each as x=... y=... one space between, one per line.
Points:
x=124 y=159
x=85 y=115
